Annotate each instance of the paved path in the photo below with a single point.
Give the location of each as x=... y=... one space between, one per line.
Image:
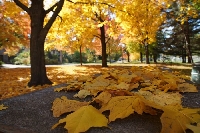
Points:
x=31 y=113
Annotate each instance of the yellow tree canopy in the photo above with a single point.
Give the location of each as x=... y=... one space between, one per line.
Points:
x=141 y=19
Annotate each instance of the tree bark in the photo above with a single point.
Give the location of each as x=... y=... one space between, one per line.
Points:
x=38 y=34
x=103 y=46
x=186 y=32
x=61 y=57
x=147 y=53
x=141 y=57
x=38 y=70
x=128 y=55
x=81 y=59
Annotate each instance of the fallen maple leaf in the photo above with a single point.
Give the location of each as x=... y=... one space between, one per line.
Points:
x=63 y=105
x=195 y=129
x=82 y=94
x=186 y=87
x=173 y=122
x=123 y=106
x=2 y=107
x=83 y=119
x=103 y=98
x=162 y=98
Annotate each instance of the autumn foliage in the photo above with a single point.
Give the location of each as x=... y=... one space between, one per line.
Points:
x=123 y=92
x=120 y=90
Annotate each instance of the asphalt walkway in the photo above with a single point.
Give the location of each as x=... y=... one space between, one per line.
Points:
x=31 y=113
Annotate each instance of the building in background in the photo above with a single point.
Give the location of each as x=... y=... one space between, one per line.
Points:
x=3 y=57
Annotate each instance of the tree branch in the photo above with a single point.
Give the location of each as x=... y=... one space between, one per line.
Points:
x=97 y=36
x=92 y=3
x=53 y=17
x=107 y=40
x=21 y=5
x=51 y=8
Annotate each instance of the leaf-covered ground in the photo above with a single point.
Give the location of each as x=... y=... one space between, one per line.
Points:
x=126 y=90
x=13 y=81
x=113 y=90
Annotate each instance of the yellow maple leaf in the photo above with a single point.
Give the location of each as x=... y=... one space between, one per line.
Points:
x=103 y=98
x=162 y=98
x=82 y=119
x=193 y=114
x=186 y=87
x=133 y=86
x=82 y=94
x=195 y=129
x=63 y=105
x=122 y=86
x=123 y=106
x=171 y=122
x=2 y=107
x=59 y=89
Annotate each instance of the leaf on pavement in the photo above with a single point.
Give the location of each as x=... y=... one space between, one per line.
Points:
x=186 y=87
x=2 y=107
x=63 y=105
x=103 y=98
x=173 y=121
x=162 y=98
x=59 y=89
x=82 y=94
x=123 y=106
x=83 y=119
x=122 y=86
x=195 y=129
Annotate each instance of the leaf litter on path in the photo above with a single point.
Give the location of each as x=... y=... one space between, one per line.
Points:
x=116 y=90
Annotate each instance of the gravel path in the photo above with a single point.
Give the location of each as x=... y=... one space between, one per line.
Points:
x=31 y=113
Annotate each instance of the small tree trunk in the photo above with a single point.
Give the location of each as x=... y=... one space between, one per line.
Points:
x=183 y=56
x=61 y=57
x=103 y=44
x=81 y=59
x=141 y=57
x=147 y=53
x=128 y=54
x=186 y=32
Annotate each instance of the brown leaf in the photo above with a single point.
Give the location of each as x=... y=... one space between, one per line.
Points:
x=63 y=105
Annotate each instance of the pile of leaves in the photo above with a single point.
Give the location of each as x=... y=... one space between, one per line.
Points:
x=124 y=91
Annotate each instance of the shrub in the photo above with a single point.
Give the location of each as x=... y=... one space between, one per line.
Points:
x=1 y=63
x=22 y=58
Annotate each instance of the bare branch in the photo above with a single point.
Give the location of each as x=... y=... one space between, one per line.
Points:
x=97 y=36
x=21 y=5
x=108 y=40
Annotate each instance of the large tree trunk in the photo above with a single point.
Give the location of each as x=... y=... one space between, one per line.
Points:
x=103 y=46
x=38 y=70
x=38 y=35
